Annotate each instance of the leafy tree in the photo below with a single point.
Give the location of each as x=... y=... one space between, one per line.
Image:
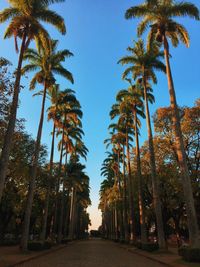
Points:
x=14 y=197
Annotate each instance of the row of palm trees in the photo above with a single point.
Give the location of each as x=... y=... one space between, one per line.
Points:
x=26 y=19
x=157 y=16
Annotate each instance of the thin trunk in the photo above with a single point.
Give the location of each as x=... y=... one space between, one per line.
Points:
x=58 y=183
x=155 y=185
x=4 y=160
x=125 y=215
x=60 y=225
x=113 y=222
x=121 y=225
x=177 y=232
x=66 y=216
x=140 y=184
x=46 y=208
x=131 y=200
x=186 y=181
x=25 y=232
x=116 y=222
x=72 y=213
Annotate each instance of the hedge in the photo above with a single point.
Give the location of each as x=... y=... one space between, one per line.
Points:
x=39 y=245
x=190 y=254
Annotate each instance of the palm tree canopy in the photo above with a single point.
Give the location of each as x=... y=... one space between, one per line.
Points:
x=143 y=61
x=159 y=16
x=26 y=17
x=47 y=64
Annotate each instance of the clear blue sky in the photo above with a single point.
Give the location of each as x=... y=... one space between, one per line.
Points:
x=98 y=35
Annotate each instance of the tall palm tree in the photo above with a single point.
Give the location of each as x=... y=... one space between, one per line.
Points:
x=83 y=201
x=159 y=15
x=80 y=150
x=48 y=63
x=115 y=141
x=69 y=128
x=25 y=23
x=54 y=94
x=110 y=169
x=126 y=122
x=143 y=63
x=105 y=188
x=72 y=134
x=77 y=182
x=53 y=114
x=132 y=98
x=119 y=136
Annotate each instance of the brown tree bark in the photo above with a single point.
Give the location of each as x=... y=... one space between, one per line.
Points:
x=186 y=182
x=72 y=214
x=54 y=230
x=60 y=224
x=155 y=184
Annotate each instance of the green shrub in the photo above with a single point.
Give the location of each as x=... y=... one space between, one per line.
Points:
x=190 y=254
x=137 y=244
x=150 y=247
x=65 y=241
x=47 y=244
x=35 y=245
x=181 y=250
x=9 y=243
x=39 y=245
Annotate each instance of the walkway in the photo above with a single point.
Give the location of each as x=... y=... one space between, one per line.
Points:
x=92 y=253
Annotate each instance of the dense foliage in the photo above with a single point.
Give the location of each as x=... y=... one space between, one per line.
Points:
x=42 y=202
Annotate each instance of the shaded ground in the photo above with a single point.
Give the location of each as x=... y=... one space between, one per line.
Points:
x=92 y=253
x=12 y=255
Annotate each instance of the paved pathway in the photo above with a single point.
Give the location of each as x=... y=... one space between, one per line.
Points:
x=92 y=253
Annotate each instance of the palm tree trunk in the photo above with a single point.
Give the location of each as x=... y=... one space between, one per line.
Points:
x=187 y=187
x=60 y=225
x=72 y=213
x=155 y=185
x=66 y=226
x=140 y=184
x=4 y=160
x=131 y=200
x=46 y=208
x=116 y=222
x=121 y=225
x=113 y=223
x=125 y=215
x=25 y=232
x=58 y=183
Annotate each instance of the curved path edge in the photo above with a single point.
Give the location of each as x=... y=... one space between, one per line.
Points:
x=150 y=257
x=41 y=254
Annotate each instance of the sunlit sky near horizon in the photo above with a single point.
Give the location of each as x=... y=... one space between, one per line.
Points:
x=98 y=35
